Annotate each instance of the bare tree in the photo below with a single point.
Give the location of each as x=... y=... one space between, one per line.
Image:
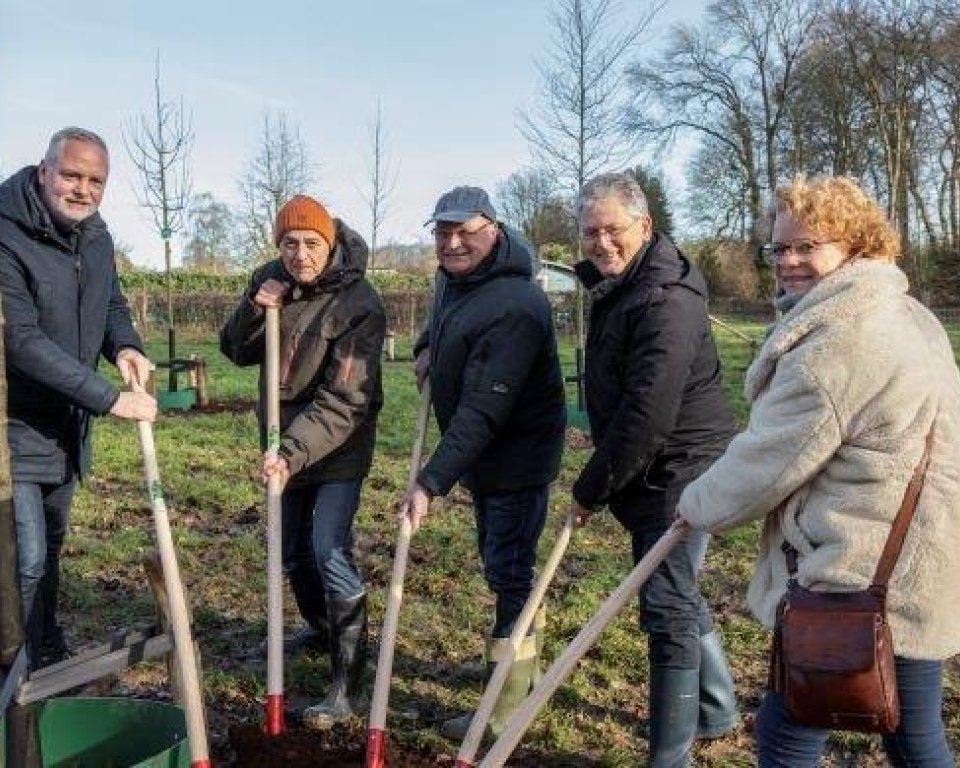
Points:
x=208 y=231
x=280 y=170
x=159 y=145
x=383 y=181
x=522 y=198
x=576 y=129
x=728 y=82
x=945 y=107
x=888 y=44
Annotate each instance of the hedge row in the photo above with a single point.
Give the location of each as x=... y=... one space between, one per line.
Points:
x=185 y=281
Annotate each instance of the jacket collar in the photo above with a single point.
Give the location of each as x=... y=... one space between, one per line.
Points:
x=838 y=298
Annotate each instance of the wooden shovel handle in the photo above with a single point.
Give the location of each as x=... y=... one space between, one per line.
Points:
x=471 y=742
x=583 y=642
x=388 y=638
x=179 y=616
x=274 y=725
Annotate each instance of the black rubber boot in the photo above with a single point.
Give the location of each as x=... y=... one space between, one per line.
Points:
x=348 y=660
x=673 y=715
x=311 y=602
x=718 y=714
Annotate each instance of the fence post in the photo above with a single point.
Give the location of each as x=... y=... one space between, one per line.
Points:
x=144 y=311
x=391 y=346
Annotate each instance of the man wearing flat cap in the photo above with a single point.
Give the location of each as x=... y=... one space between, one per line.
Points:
x=491 y=354
x=332 y=325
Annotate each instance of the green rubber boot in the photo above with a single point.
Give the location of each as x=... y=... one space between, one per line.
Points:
x=515 y=688
x=539 y=632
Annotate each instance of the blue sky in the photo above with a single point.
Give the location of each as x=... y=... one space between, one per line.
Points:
x=450 y=77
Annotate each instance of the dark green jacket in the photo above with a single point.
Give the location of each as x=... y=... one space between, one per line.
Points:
x=331 y=341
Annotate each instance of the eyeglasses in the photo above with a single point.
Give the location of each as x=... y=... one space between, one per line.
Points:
x=443 y=235
x=802 y=249
x=611 y=233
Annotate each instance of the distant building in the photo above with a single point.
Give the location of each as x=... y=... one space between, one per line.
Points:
x=556 y=278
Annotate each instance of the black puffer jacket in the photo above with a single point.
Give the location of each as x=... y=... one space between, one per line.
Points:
x=495 y=377
x=63 y=309
x=658 y=415
x=331 y=342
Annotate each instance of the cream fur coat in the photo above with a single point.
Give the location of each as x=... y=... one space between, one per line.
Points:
x=844 y=392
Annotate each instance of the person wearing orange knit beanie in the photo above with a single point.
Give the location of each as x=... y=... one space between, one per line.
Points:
x=332 y=326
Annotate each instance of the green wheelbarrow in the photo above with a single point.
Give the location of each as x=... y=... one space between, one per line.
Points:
x=109 y=733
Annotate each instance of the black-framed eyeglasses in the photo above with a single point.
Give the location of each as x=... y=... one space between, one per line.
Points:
x=444 y=234
x=802 y=249
x=611 y=233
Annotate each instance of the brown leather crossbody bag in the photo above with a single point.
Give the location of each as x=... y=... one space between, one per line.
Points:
x=832 y=656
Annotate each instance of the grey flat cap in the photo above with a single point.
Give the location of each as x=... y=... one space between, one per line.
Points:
x=462 y=204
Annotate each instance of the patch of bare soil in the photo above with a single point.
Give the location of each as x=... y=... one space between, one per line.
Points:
x=218 y=406
x=302 y=748
x=578 y=439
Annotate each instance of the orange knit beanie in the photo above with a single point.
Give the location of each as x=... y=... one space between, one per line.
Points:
x=302 y=212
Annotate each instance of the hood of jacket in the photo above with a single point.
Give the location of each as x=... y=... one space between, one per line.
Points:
x=21 y=204
x=659 y=263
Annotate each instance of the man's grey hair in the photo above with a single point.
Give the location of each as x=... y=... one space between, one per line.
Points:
x=71 y=133
x=622 y=186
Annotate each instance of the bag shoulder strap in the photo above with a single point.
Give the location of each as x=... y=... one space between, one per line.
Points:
x=898 y=531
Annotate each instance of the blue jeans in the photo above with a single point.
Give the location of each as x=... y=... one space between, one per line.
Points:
x=318 y=544
x=509 y=525
x=673 y=613
x=42 y=514
x=919 y=742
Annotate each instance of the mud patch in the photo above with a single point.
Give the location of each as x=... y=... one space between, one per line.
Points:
x=302 y=748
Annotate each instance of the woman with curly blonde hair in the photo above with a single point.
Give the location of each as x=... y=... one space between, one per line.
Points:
x=847 y=386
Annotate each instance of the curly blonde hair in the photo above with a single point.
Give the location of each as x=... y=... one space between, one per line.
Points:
x=836 y=207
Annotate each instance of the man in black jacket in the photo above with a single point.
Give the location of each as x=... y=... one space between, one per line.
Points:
x=498 y=397
x=63 y=310
x=658 y=418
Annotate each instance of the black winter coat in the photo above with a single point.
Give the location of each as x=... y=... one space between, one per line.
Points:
x=658 y=415
x=63 y=309
x=331 y=342
x=495 y=377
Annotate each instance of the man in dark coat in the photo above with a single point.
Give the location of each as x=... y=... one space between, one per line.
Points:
x=658 y=418
x=63 y=311
x=332 y=326
x=498 y=397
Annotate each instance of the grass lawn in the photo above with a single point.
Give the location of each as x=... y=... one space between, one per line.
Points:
x=208 y=464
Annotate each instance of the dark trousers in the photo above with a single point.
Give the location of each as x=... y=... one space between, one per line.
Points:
x=318 y=544
x=509 y=525
x=673 y=613
x=919 y=742
x=42 y=514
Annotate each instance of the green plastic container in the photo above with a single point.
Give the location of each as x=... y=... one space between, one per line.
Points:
x=111 y=733
x=180 y=400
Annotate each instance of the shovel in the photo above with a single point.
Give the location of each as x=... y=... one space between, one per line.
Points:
x=583 y=642
x=179 y=618
x=376 y=731
x=471 y=742
x=274 y=723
